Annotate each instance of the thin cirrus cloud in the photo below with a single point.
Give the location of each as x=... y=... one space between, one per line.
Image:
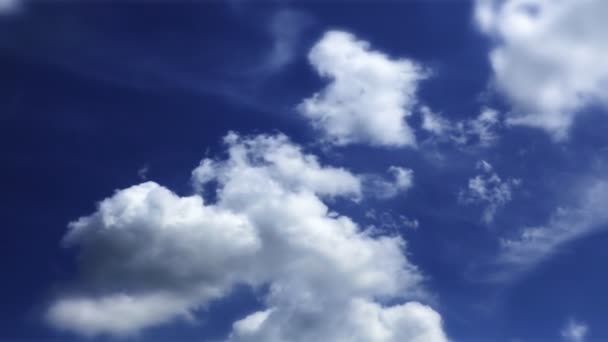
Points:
x=369 y=96
x=532 y=245
x=548 y=58
x=149 y=256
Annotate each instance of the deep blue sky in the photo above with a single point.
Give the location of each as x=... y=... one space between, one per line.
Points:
x=94 y=92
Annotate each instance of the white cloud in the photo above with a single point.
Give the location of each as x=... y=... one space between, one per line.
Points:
x=120 y=314
x=380 y=187
x=357 y=320
x=534 y=244
x=574 y=331
x=548 y=58
x=149 y=256
x=369 y=97
x=488 y=189
x=480 y=131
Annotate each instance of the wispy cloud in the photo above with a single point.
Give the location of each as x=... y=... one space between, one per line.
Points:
x=532 y=245
x=574 y=331
x=489 y=190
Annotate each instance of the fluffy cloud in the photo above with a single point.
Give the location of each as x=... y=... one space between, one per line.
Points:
x=488 y=189
x=357 y=320
x=574 y=331
x=369 y=96
x=149 y=256
x=480 y=131
x=549 y=57
x=534 y=244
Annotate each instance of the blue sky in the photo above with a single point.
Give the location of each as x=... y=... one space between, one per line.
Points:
x=304 y=171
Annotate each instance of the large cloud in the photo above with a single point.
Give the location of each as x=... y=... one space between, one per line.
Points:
x=369 y=96
x=149 y=256
x=549 y=57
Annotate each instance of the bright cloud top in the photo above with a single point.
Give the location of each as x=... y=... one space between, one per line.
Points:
x=549 y=57
x=150 y=256
x=369 y=96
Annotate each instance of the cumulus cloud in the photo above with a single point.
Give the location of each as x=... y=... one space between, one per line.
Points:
x=548 y=58
x=480 y=131
x=489 y=190
x=369 y=97
x=534 y=244
x=149 y=256
x=574 y=331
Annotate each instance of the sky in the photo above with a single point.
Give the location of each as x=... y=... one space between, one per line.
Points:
x=290 y=171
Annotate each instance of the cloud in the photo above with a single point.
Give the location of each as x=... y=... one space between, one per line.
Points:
x=149 y=256
x=480 y=131
x=369 y=97
x=10 y=6
x=382 y=188
x=574 y=331
x=389 y=221
x=488 y=189
x=534 y=244
x=548 y=58
x=357 y=320
x=286 y=28
x=142 y=172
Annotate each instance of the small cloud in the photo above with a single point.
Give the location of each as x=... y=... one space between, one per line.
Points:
x=386 y=221
x=488 y=189
x=481 y=131
x=401 y=181
x=286 y=28
x=574 y=331
x=143 y=172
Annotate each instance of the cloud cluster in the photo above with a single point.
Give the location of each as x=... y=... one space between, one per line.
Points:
x=149 y=256
x=489 y=190
x=369 y=96
x=548 y=58
x=480 y=131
